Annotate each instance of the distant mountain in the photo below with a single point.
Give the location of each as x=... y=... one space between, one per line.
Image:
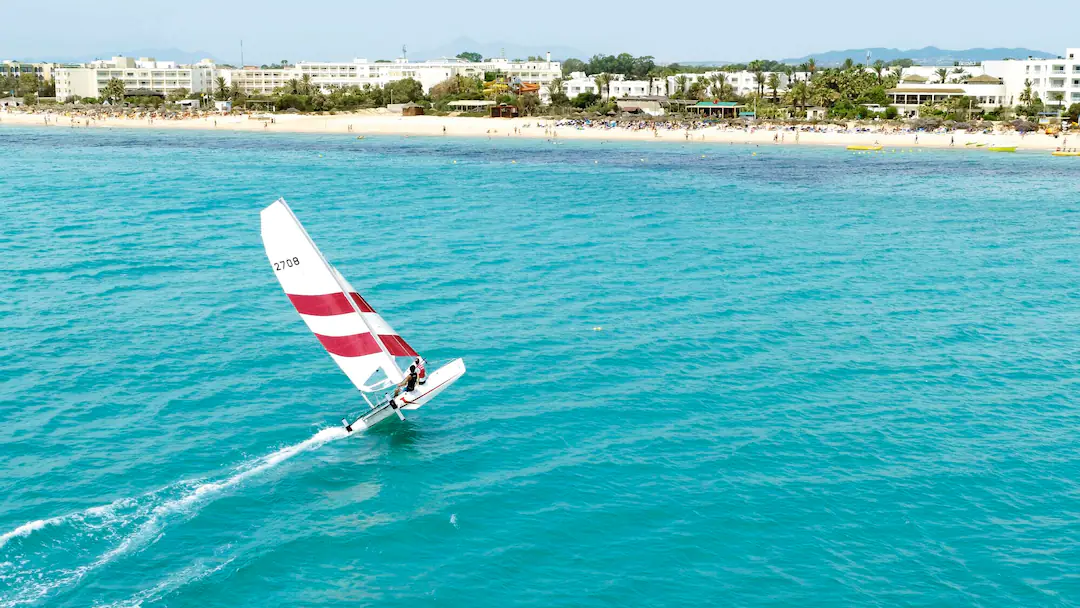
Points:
x=930 y=55
x=176 y=55
x=497 y=49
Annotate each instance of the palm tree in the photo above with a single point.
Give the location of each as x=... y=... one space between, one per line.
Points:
x=221 y=89
x=942 y=74
x=879 y=67
x=897 y=72
x=811 y=66
x=602 y=80
x=1026 y=95
x=305 y=85
x=719 y=84
x=680 y=83
x=555 y=86
x=114 y=91
x=774 y=84
x=849 y=63
x=799 y=92
x=759 y=78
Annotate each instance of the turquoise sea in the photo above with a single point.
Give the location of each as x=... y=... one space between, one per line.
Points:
x=699 y=375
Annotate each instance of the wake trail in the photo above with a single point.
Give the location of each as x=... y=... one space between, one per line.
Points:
x=135 y=522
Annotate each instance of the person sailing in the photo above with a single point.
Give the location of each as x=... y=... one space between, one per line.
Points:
x=421 y=373
x=409 y=384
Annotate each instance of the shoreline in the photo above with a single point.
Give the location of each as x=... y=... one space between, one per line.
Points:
x=360 y=125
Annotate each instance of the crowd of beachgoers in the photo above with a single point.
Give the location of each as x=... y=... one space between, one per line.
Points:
x=933 y=132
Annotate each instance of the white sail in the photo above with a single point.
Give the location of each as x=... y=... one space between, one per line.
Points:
x=350 y=330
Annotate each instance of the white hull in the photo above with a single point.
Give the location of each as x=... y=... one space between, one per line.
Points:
x=436 y=383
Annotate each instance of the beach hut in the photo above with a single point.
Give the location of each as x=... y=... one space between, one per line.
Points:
x=816 y=113
x=412 y=109
x=504 y=111
x=470 y=105
x=717 y=108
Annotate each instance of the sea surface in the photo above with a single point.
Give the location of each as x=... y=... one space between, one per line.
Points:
x=699 y=375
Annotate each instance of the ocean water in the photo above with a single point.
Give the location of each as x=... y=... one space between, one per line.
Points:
x=698 y=375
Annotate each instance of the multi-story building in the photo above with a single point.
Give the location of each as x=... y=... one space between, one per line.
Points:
x=17 y=68
x=359 y=72
x=1056 y=81
x=163 y=77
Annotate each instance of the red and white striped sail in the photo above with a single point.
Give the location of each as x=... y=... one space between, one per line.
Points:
x=357 y=338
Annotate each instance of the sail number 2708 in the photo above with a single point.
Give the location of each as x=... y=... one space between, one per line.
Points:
x=287 y=263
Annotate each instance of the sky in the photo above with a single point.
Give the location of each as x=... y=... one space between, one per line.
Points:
x=340 y=30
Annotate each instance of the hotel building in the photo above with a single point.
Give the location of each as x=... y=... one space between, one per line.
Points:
x=163 y=77
x=252 y=80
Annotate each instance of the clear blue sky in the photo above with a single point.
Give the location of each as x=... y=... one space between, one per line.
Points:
x=343 y=29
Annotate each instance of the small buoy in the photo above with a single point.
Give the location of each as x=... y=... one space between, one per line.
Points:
x=702 y=156
x=598 y=328
x=643 y=160
x=513 y=162
x=753 y=154
x=596 y=162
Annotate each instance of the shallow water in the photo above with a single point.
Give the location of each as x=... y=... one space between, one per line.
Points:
x=698 y=375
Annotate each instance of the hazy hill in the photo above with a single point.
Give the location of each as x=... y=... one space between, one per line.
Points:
x=930 y=55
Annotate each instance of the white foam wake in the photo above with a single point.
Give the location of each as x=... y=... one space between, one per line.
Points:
x=113 y=518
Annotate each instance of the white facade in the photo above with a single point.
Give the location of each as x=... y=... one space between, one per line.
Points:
x=361 y=71
x=145 y=73
x=579 y=83
x=1056 y=81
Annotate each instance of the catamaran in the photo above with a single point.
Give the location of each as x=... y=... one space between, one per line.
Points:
x=358 y=339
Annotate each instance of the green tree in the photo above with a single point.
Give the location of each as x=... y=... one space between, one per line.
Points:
x=603 y=82
x=177 y=94
x=942 y=74
x=573 y=65
x=556 y=87
x=8 y=84
x=811 y=66
x=1073 y=113
x=28 y=84
x=221 y=90
x=879 y=69
x=774 y=83
x=1026 y=95
x=470 y=56
x=406 y=90
x=113 y=92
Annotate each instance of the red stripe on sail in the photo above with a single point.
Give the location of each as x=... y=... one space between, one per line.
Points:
x=330 y=304
x=326 y=305
x=361 y=303
x=356 y=345
x=397 y=346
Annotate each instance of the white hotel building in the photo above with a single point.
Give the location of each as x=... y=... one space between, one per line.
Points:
x=359 y=72
x=143 y=73
x=1057 y=81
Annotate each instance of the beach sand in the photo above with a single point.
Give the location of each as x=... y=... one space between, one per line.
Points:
x=375 y=123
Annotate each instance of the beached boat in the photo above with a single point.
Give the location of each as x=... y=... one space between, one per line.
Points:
x=358 y=339
x=1002 y=149
x=867 y=148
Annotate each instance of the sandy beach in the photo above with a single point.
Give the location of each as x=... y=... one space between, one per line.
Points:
x=377 y=123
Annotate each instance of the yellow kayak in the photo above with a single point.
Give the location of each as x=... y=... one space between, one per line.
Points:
x=872 y=148
x=1065 y=153
x=1002 y=148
